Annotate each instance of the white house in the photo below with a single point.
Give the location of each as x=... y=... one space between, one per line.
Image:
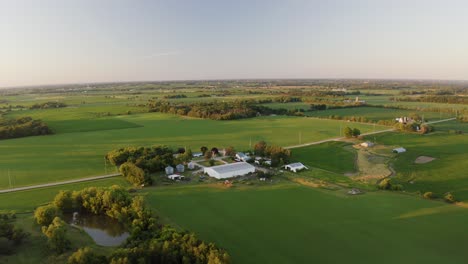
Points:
x=229 y=170
x=295 y=167
x=169 y=170
x=399 y=150
x=241 y=156
x=367 y=144
x=175 y=177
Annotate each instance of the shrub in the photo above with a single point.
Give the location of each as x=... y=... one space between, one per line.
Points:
x=385 y=184
x=56 y=234
x=428 y=195
x=44 y=215
x=86 y=256
x=449 y=198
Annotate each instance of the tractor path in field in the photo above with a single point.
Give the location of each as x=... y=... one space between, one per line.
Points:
x=365 y=134
x=59 y=183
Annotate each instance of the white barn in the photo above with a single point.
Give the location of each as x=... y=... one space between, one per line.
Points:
x=229 y=170
x=295 y=167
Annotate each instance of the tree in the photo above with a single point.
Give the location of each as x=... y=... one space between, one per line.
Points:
x=214 y=151
x=133 y=173
x=385 y=184
x=64 y=201
x=208 y=155
x=230 y=151
x=44 y=215
x=203 y=150
x=449 y=198
x=348 y=132
x=56 y=234
x=86 y=256
x=259 y=148
x=211 y=162
x=356 y=132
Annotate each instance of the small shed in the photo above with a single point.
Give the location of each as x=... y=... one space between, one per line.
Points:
x=180 y=167
x=367 y=144
x=399 y=150
x=169 y=170
x=175 y=177
x=295 y=167
x=191 y=165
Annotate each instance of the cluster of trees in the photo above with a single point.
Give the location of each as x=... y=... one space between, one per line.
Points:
x=351 y=132
x=47 y=105
x=149 y=241
x=414 y=127
x=22 y=127
x=277 y=154
x=142 y=160
x=10 y=236
x=386 y=184
x=175 y=96
x=446 y=99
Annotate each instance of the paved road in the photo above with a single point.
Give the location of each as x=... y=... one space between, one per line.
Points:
x=59 y=183
x=118 y=174
x=365 y=134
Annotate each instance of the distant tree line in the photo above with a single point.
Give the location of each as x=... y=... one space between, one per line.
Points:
x=175 y=96
x=22 y=127
x=149 y=241
x=48 y=105
x=446 y=99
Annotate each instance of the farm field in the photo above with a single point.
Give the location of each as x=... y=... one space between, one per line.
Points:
x=295 y=224
x=447 y=173
x=377 y=113
x=67 y=155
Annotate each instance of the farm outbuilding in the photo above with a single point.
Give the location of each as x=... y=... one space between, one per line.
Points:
x=229 y=170
x=367 y=144
x=180 y=168
x=241 y=156
x=191 y=165
x=169 y=170
x=175 y=177
x=399 y=150
x=295 y=167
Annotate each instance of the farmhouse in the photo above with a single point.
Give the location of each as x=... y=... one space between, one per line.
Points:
x=241 y=156
x=295 y=167
x=399 y=150
x=367 y=144
x=229 y=170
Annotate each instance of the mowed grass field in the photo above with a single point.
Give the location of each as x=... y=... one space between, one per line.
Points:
x=73 y=153
x=447 y=173
x=296 y=224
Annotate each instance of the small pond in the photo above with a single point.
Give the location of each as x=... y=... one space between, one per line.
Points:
x=104 y=230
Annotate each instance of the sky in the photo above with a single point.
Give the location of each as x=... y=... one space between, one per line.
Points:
x=86 y=41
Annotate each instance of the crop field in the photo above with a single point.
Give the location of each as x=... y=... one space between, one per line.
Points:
x=447 y=173
x=68 y=155
x=377 y=113
x=295 y=224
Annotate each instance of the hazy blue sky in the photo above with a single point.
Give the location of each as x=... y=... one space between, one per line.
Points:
x=68 y=41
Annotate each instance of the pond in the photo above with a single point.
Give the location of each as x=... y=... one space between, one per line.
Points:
x=104 y=230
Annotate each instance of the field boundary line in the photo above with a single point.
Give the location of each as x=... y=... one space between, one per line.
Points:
x=59 y=183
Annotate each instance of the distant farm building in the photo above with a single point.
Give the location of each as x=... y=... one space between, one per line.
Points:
x=191 y=165
x=367 y=144
x=180 y=168
x=295 y=167
x=229 y=170
x=197 y=154
x=175 y=177
x=399 y=150
x=169 y=170
x=241 y=156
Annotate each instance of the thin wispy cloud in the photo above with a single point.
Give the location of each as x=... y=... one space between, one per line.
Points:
x=162 y=54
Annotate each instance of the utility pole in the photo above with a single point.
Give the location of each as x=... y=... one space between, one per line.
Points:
x=105 y=165
x=300 y=137
x=250 y=143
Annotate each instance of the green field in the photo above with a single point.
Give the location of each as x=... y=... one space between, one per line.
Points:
x=377 y=113
x=447 y=173
x=338 y=157
x=294 y=224
x=68 y=155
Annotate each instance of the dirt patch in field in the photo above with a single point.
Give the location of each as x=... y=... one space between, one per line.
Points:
x=306 y=182
x=423 y=159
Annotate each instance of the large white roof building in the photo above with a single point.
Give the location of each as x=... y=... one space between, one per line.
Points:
x=229 y=170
